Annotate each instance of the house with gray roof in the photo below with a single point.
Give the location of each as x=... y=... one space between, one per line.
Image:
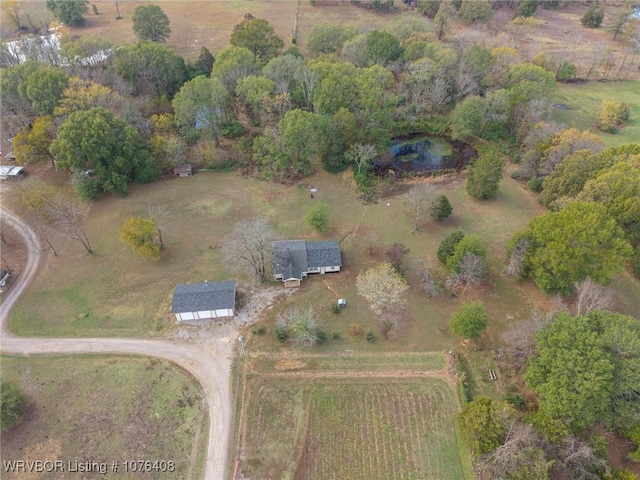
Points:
x=204 y=301
x=293 y=260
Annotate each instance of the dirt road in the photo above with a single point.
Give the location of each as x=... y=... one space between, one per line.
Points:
x=208 y=360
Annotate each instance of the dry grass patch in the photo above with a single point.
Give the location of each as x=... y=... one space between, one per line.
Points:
x=106 y=408
x=351 y=426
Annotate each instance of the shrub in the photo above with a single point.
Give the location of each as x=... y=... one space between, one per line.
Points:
x=448 y=245
x=469 y=321
x=527 y=8
x=335 y=308
x=321 y=336
x=594 y=16
x=85 y=186
x=612 y=114
x=318 y=217
x=13 y=403
x=335 y=335
x=370 y=336
x=535 y=184
x=232 y=128
x=355 y=329
x=635 y=262
x=281 y=332
x=567 y=71
x=441 y=208
x=261 y=330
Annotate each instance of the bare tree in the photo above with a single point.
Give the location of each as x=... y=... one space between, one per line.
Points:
x=248 y=245
x=430 y=283
x=33 y=195
x=160 y=215
x=67 y=215
x=519 y=338
x=303 y=323
x=308 y=81
x=580 y=461
x=452 y=283
x=382 y=287
x=518 y=253
x=361 y=155
x=472 y=270
x=419 y=200
x=591 y=296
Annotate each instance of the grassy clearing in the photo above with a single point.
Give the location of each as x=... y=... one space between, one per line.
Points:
x=353 y=428
x=107 y=408
x=584 y=102
x=365 y=363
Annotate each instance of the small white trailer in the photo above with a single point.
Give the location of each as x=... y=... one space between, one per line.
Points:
x=11 y=172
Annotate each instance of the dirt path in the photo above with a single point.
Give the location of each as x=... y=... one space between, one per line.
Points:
x=208 y=360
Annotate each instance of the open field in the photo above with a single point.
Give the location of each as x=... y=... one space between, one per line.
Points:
x=584 y=102
x=86 y=408
x=115 y=293
x=355 y=425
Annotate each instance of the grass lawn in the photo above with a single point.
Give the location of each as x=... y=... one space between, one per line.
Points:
x=104 y=409
x=584 y=102
x=350 y=427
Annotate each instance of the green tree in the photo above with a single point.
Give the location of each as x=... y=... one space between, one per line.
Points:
x=151 y=24
x=318 y=217
x=12 y=403
x=441 y=20
x=141 y=234
x=473 y=11
x=155 y=68
x=617 y=189
x=44 y=89
x=200 y=107
x=594 y=16
x=612 y=115
x=374 y=104
x=527 y=8
x=572 y=373
x=95 y=139
x=569 y=177
x=233 y=64
x=577 y=242
x=32 y=144
x=448 y=245
x=257 y=36
x=383 y=48
x=441 y=208
x=481 y=424
x=282 y=71
x=337 y=88
x=255 y=90
x=484 y=175
x=471 y=243
x=301 y=137
x=327 y=37
x=71 y=12
x=205 y=62
x=467 y=117
x=469 y=321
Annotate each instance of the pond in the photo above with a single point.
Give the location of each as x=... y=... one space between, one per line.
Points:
x=425 y=155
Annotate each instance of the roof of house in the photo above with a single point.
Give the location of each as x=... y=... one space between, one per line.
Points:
x=324 y=254
x=198 y=297
x=293 y=257
x=289 y=258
